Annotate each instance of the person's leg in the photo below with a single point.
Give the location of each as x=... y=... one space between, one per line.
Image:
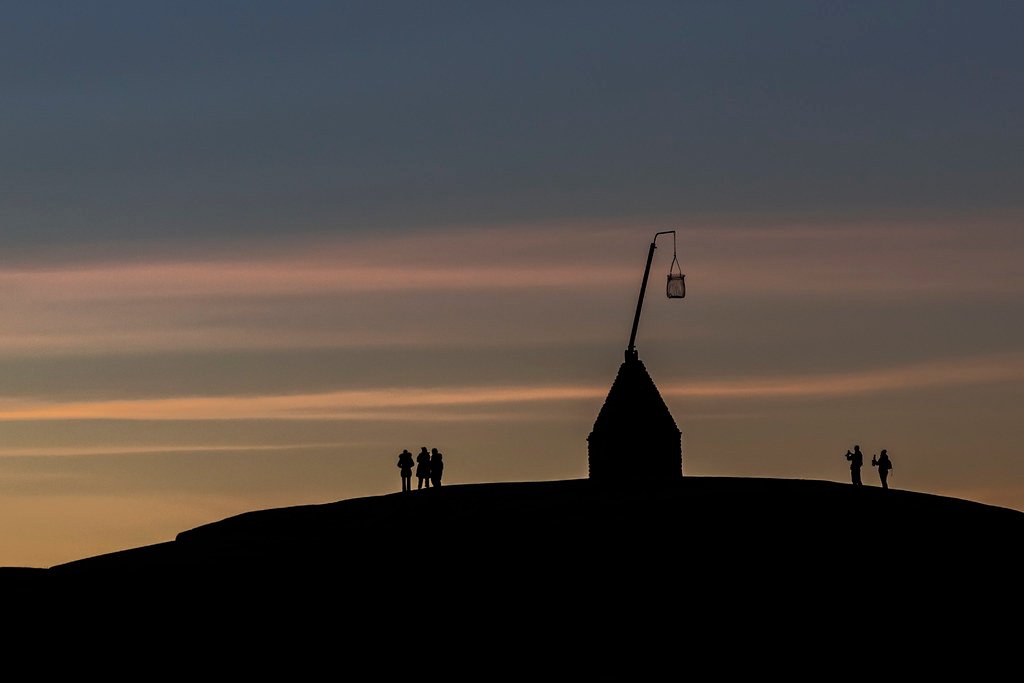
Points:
x=885 y=480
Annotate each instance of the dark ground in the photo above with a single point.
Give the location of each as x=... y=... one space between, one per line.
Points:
x=570 y=564
x=697 y=527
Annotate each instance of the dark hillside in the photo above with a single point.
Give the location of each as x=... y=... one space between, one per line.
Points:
x=552 y=572
x=702 y=528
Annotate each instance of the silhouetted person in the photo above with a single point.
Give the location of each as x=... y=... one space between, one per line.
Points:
x=423 y=468
x=884 y=464
x=405 y=464
x=856 y=462
x=436 y=466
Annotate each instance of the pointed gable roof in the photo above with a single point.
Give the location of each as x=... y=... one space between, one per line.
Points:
x=634 y=437
x=633 y=405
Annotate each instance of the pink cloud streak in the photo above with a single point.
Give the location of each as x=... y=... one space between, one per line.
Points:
x=931 y=374
x=375 y=290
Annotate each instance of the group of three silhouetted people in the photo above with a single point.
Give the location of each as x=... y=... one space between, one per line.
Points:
x=429 y=468
x=882 y=462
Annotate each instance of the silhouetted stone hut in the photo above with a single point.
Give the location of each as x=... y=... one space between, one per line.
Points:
x=634 y=436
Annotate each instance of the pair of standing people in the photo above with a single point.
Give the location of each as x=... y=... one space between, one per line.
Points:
x=429 y=468
x=882 y=462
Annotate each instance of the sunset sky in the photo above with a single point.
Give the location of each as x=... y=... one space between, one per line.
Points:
x=249 y=251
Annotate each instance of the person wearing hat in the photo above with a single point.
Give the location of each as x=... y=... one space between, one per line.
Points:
x=884 y=464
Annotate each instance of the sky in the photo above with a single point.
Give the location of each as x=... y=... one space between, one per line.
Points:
x=249 y=251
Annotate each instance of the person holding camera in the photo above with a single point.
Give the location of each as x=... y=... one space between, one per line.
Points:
x=856 y=462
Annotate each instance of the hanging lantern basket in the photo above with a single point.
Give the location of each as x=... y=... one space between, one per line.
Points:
x=675 y=288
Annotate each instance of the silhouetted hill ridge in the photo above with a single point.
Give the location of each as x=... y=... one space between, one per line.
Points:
x=578 y=525
x=633 y=573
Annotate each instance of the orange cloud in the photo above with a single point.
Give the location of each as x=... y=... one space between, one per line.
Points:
x=404 y=402
x=454 y=403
